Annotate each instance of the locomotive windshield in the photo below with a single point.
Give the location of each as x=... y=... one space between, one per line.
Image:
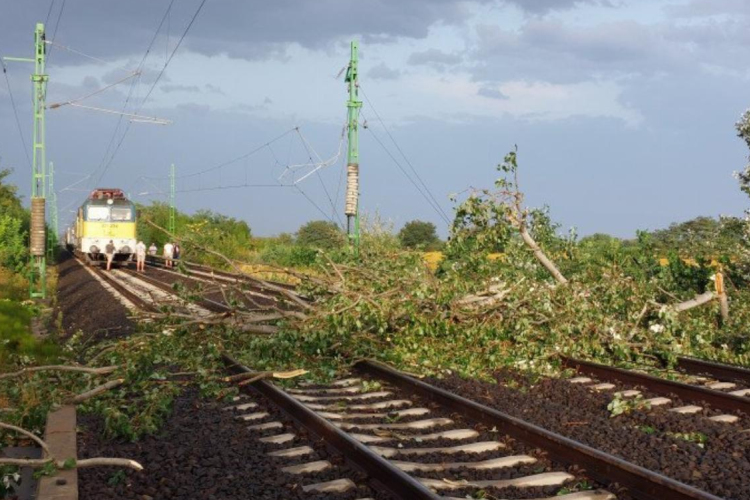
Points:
x=120 y=214
x=97 y=213
x=109 y=213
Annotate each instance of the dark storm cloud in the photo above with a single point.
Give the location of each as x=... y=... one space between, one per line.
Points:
x=551 y=50
x=240 y=28
x=544 y=6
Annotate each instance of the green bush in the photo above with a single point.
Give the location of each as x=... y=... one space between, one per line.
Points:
x=288 y=255
x=13 y=250
x=419 y=234
x=321 y=234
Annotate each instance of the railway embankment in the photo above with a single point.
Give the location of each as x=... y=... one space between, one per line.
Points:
x=87 y=306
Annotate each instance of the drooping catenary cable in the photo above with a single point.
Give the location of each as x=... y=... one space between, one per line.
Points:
x=434 y=203
x=15 y=113
x=320 y=178
x=241 y=157
x=429 y=201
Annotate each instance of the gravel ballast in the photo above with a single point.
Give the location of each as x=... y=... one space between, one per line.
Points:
x=206 y=452
x=711 y=456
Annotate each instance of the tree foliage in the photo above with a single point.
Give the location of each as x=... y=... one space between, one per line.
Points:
x=14 y=226
x=419 y=234
x=321 y=234
x=228 y=235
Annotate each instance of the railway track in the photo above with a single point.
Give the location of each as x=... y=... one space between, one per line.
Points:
x=719 y=395
x=208 y=304
x=417 y=441
x=134 y=298
x=719 y=371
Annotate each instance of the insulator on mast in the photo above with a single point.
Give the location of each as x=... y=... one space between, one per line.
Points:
x=352 y=189
x=38 y=228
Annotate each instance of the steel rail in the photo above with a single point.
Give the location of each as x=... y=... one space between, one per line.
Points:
x=641 y=483
x=205 y=303
x=357 y=454
x=122 y=289
x=719 y=371
x=717 y=399
x=158 y=261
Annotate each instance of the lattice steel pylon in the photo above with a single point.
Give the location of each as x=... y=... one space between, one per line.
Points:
x=38 y=267
x=353 y=105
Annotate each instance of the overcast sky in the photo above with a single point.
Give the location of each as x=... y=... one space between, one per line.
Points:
x=623 y=110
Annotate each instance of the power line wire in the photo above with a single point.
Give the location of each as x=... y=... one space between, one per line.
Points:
x=184 y=34
x=130 y=91
x=51 y=4
x=241 y=157
x=320 y=178
x=413 y=182
x=54 y=33
x=15 y=113
x=299 y=189
x=153 y=86
x=416 y=174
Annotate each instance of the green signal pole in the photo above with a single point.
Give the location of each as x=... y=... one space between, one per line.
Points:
x=352 y=177
x=38 y=268
x=172 y=200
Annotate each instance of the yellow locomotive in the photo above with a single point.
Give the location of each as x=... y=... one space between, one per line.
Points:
x=106 y=215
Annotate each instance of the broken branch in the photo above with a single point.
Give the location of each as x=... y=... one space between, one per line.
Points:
x=105 y=370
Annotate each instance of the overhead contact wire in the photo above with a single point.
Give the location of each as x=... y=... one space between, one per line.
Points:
x=416 y=174
x=15 y=113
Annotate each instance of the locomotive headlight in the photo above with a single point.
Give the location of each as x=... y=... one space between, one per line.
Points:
x=126 y=249
x=93 y=249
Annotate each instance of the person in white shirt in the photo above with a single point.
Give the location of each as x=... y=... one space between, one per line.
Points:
x=152 y=253
x=168 y=254
x=140 y=257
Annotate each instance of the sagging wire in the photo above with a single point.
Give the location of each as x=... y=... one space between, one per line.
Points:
x=238 y=158
x=133 y=118
x=15 y=113
x=92 y=94
x=316 y=166
x=424 y=189
x=310 y=151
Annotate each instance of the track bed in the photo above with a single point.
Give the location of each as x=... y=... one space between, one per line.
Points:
x=657 y=439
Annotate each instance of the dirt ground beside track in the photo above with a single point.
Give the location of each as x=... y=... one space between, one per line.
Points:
x=87 y=306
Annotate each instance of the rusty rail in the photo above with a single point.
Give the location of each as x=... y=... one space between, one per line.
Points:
x=719 y=400
x=357 y=454
x=642 y=483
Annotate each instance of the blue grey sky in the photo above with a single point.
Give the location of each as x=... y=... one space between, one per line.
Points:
x=623 y=111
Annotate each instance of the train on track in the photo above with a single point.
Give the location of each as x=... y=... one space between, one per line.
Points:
x=107 y=215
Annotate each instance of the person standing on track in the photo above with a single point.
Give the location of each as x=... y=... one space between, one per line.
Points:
x=168 y=254
x=152 y=252
x=140 y=257
x=110 y=251
x=176 y=251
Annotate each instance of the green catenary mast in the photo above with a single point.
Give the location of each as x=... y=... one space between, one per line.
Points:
x=38 y=273
x=353 y=105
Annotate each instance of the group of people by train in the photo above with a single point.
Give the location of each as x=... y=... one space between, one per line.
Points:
x=170 y=253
